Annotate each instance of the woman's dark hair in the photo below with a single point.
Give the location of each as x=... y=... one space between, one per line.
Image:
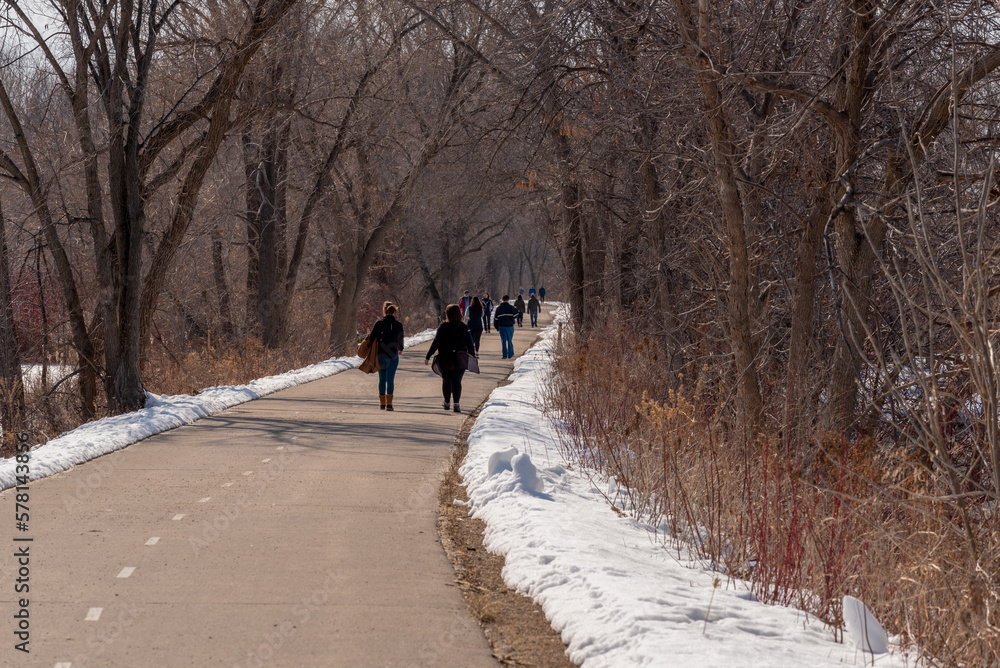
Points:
x=453 y=313
x=476 y=304
x=389 y=308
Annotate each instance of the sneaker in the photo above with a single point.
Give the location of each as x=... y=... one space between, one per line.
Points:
x=457 y=409
x=447 y=405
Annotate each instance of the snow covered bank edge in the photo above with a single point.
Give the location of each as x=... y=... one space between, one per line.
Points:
x=162 y=413
x=612 y=591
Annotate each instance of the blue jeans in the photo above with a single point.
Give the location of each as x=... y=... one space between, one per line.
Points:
x=507 y=340
x=534 y=318
x=387 y=373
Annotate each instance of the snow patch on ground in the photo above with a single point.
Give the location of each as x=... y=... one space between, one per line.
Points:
x=616 y=594
x=31 y=374
x=164 y=412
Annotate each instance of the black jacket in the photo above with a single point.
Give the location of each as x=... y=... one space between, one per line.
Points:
x=451 y=338
x=505 y=315
x=389 y=333
x=475 y=318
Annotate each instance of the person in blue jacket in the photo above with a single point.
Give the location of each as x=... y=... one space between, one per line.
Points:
x=503 y=319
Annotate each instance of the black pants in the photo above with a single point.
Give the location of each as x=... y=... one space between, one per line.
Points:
x=477 y=335
x=451 y=384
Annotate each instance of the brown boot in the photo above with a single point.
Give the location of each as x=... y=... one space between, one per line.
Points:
x=388 y=402
x=381 y=402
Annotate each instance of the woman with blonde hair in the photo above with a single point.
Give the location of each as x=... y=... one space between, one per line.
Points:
x=388 y=332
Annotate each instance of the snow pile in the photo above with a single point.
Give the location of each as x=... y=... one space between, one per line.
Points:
x=863 y=628
x=164 y=412
x=523 y=471
x=617 y=596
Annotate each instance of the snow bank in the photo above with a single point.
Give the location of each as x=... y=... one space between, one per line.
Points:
x=164 y=412
x=617 y=596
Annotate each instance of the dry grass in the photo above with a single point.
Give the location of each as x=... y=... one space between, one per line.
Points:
x=805 y=523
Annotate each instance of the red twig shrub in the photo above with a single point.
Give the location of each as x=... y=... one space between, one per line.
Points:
x=803 y=523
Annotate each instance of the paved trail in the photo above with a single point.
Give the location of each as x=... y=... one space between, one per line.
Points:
x=295 y=530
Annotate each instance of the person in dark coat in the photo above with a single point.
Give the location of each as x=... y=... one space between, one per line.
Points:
x=475 y=314
x=541 y=293
x=504 y=319
x=452 y=337
x=521 y=308
x=533 y=307
x=389 y=333
x=487 y=311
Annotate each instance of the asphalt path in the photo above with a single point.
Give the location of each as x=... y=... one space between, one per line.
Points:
x=294 y=530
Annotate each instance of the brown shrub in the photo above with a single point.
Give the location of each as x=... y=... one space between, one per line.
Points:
x=804 y=523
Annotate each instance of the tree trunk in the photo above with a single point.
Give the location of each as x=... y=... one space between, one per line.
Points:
x=124 y=385
x=739 y=294
x=344 y=321
x=575 y=272
x=800 y=339
x=12 y=409
x=856 y=26
x=254 y=202
x=272 y=299
x=222 y=286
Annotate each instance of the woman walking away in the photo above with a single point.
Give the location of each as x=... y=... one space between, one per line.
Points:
x=521 y=308
x=487 y=311
x=504 y=319
x=475 y=314
x=389 y=333
x=452 y=338
x=533 y=307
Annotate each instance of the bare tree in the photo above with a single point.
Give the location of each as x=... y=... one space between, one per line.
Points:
x=118 y=44
x=12 y=407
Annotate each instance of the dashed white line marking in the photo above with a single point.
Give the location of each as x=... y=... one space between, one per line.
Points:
x=204 y=500
x=153 y=541
x=248 y=473
x=127 y=571
x=179 y=517
x=63 y=664
x=93 y=614
x=281 y=447
x=227 y=484
x=264 y=461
